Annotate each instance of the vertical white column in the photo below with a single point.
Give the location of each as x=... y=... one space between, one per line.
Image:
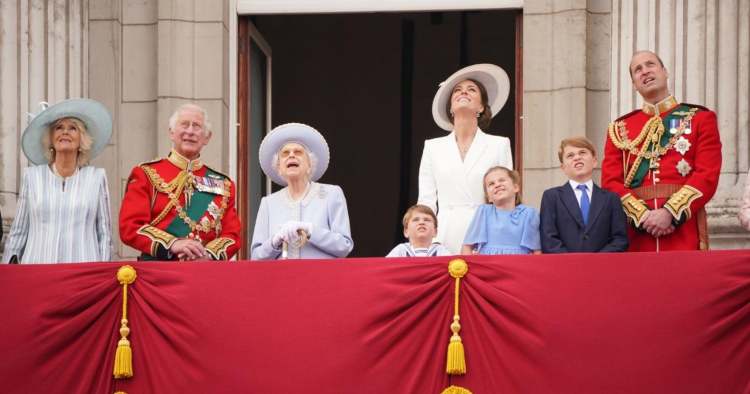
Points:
x=743 y=88
x=726 y=104
x=8 y=99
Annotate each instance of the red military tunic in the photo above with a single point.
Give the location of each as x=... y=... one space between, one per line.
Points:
x=155 y=211
x=681 y=173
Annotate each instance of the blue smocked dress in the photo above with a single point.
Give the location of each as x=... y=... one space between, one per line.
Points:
x=497 y=231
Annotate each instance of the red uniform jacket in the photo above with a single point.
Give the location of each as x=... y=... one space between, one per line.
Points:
x=155 y=212
x=682 y=177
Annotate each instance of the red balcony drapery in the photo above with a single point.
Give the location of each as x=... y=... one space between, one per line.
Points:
x=580 y=323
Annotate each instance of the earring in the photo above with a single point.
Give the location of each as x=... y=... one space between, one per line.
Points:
x=479 y=114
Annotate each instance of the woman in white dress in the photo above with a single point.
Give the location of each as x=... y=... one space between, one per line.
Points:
x=452 y=167
x=305 y=219
x=63 y=207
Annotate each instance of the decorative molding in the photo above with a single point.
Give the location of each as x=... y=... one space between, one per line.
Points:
x=327 y=6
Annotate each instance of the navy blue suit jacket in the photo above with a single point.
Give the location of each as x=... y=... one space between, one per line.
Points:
x=562 y=228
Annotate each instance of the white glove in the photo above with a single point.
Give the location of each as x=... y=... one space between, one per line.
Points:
x=277 y=239
x=291 y=230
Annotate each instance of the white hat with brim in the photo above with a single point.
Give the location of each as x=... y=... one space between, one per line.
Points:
x=494 y=79
x=92 y=113
x=297 y=133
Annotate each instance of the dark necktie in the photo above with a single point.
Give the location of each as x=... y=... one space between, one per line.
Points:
x=585 y=203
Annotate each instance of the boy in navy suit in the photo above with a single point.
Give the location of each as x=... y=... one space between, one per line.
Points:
x=579 y=216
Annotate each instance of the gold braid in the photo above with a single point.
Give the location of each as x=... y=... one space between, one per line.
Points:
x=652 y=132
x=173 y=189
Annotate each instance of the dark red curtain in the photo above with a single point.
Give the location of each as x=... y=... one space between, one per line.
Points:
x=580 y=323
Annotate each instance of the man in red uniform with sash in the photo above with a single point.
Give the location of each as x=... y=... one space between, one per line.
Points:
x=177 y=207
x=664 y=161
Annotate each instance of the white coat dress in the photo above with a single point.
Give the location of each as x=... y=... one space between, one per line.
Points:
x=454 y=188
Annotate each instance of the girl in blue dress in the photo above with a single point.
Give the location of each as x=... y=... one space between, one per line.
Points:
x=504 y=225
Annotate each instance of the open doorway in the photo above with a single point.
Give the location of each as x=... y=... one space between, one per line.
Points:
x=366 y=81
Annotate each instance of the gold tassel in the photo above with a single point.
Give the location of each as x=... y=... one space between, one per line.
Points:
x=124 y=355
x=456 y=361
x=455 y=390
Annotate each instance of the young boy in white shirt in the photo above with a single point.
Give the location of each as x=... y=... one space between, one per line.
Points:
x=420 y=227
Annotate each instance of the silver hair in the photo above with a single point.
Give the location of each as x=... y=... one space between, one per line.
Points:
x=310 y=155
x=190 y=106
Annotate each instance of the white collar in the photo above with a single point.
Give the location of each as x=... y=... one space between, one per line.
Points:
x=589 y=184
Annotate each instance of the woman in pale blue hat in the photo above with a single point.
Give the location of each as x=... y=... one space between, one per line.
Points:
x=305 y=219
x=63 y=208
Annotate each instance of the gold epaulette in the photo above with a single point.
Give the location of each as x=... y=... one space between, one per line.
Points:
x=700 y=107
x=217 y=248
x=157 y=237
x=633 y=112
x=634 y=208
x=680 y=201
x=154 y=161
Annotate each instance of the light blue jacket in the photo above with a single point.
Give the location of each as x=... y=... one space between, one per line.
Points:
x=324 y=206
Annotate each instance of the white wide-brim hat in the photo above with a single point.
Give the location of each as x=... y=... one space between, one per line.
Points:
x=299 y=133
x=92 y=113
x=494 y=79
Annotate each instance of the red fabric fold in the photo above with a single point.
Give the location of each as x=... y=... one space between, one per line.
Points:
x=578 y=323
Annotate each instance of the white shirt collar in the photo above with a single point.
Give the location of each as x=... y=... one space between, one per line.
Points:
x=589 y=184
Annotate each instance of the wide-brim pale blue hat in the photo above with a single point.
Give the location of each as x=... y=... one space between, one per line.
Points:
x=298 y=133
x=92 y=113
x=494 y=79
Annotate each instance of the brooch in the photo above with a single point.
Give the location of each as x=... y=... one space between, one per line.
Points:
x=682 y=145
x=683 y=167
x=214 y=210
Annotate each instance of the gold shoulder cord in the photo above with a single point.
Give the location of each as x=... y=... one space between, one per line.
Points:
x=652 y=132
x=173 y=187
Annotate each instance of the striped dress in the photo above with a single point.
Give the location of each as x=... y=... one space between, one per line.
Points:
x=61 y=220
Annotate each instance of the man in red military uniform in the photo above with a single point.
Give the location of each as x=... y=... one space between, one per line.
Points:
x=664 y=161
x=177 y=207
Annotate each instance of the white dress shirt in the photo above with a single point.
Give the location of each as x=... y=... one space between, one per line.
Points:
x=589 y=189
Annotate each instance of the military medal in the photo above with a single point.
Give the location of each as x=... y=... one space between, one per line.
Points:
x=682 y=145
x=686 y=127
x=210 y=185
x=214 y=210
x=674 y=124
x=683 y=167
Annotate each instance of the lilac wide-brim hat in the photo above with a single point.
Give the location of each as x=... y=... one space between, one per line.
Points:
x=494 y=79
x=298 y=133
x=92 y=113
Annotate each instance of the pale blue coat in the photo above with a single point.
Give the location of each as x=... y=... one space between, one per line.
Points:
x=324 y=206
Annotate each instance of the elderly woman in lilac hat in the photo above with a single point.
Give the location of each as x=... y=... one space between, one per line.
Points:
x=305 y=219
